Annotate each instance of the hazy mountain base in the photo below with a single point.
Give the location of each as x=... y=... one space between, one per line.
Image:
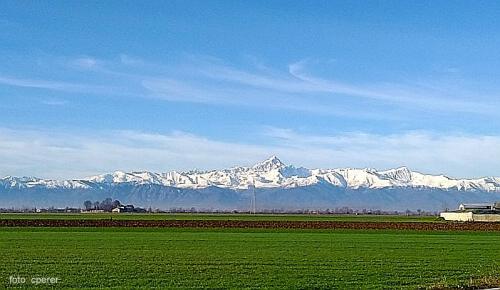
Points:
x=315 y=197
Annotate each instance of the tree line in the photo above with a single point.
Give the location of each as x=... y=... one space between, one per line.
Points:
x=107 y=204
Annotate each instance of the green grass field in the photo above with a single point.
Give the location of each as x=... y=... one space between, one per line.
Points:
x=239 y=258
x=248 y=217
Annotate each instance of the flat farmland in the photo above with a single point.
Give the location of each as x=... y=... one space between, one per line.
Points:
x=119 y=257
x=231 y=217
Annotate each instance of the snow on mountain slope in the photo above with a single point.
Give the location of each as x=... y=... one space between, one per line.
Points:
x=31 y=182
x=271 y=173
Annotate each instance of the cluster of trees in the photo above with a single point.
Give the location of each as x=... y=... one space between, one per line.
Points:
x=107 y=204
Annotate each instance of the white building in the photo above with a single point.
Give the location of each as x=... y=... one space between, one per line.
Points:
x=123 y=208
x=476 y=206
x=458 y=216
x=479 y=212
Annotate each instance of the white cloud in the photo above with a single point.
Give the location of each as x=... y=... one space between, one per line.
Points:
x=421 y=95
x=209 y=81
x=71 y=155
x=454 y=154
x=74 y=155
x=40 y=84
x=68 y=87
x=86 y=63
x=54 y=102
x=129 y=60
x=212 y=81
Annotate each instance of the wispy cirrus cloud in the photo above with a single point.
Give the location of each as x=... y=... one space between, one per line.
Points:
x=54 y=102
x=297 y=84
x=84 y=62
x=131 y=60
x=65 y=86
x=209 y=80
x=41 y=84
x=424 y=96
x=297 y=81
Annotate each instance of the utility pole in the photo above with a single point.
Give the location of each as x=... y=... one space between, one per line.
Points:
x=253 y=200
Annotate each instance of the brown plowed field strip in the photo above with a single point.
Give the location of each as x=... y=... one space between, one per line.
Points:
x=418 y=226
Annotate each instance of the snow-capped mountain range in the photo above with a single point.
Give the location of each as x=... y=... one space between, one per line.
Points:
x=271 y=173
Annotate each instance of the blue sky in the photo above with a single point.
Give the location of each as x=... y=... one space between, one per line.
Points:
x=94 y=86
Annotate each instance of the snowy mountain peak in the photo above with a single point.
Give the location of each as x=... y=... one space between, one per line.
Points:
x=270 y=173
x=269 y=164
x=402 y=174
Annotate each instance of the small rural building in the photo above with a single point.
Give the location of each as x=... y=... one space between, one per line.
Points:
x=124 y=208
x=458 y=216
x=476 y=206
x=479 y=212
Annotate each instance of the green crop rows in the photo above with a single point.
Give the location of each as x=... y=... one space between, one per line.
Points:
x=238 y=258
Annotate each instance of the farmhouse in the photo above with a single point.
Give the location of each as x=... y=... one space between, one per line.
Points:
x=479 y=212
x=476 y=206
x=126 y=208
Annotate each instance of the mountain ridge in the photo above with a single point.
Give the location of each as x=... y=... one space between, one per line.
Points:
x=270 y=173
